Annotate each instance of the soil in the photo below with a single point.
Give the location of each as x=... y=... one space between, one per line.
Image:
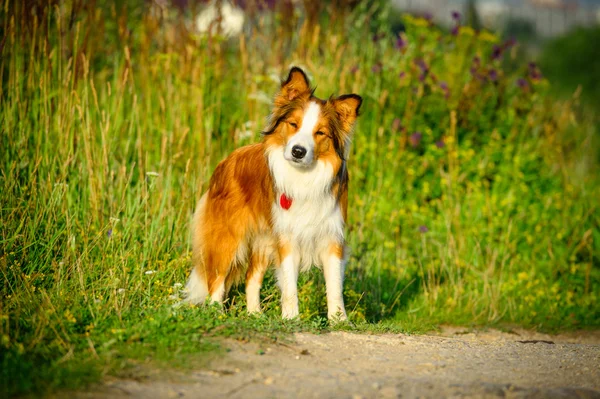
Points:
x=453 y=363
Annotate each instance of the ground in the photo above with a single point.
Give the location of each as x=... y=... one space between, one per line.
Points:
x=451 y=363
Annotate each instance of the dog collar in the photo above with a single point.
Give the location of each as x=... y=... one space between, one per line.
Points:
x=285 y=201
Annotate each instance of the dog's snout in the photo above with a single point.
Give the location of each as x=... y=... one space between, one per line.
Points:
x=298 y=152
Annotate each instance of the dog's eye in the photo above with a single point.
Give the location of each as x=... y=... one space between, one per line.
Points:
x=320 y=133
x=294 y=125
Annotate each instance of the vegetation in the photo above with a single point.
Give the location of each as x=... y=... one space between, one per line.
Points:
x=473 y=197
x=573 y=63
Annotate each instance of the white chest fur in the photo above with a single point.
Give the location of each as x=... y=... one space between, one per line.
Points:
x=314 y=219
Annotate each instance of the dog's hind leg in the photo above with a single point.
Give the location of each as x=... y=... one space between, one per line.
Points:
x=213 y=252
x=262 y=251
x=219 y=270
x=217 y=290
x=254 y=277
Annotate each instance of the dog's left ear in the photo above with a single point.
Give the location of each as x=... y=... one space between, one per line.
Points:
x=294 y=86
x=347 y=107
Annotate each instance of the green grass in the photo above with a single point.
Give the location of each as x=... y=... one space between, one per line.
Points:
x=112 y=119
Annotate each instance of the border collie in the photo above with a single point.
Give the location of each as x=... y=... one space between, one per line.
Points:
x=282 y=202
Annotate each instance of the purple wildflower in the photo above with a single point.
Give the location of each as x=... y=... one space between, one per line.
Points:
x=376 y=68
x=440 y=143
x=378 y=36
x=493 y=75
x=422 y=65
x=401 y=75
x=182 y=4
x=474 y=69
x=423 y=229
x=455 y=16
x=534 y=71
x=396 y=124
x=109 y=233
x=454 y=30
x=509 y=43
x=415 y=139
x=400 y=43
x=445 y=89
x=428 y=16
x=522 y=83
x=497 y=52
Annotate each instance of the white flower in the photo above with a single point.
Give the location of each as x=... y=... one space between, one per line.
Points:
x=121 y=291
x=177 y=285
x=148 y=272
x=261 y=97
x=153 y=174
x=232 y=19
x=246 y=132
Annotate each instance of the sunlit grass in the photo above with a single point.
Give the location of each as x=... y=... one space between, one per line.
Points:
x=473 y=195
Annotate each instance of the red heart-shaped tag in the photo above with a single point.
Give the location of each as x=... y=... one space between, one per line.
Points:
x=285 y=202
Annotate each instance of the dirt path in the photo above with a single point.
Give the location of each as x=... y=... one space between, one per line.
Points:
x=347 y=365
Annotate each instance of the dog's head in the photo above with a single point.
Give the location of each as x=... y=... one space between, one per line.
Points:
x=308 y=128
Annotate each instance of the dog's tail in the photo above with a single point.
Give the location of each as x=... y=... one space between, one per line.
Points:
x=196 y=289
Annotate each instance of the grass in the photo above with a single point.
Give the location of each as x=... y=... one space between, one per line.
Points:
x=473 y=196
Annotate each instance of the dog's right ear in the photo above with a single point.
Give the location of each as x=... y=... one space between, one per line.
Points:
x=294 y=86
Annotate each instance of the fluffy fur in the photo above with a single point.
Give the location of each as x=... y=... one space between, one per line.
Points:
x=240 y=225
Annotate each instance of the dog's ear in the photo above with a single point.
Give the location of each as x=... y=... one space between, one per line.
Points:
x=347 y=107
x=295 y=85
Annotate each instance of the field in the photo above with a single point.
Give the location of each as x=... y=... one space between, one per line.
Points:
x=473 y=194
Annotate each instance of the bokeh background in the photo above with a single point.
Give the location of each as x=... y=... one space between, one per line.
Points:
x=474 y=169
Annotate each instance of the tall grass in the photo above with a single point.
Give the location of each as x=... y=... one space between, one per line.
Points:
x=473 y=195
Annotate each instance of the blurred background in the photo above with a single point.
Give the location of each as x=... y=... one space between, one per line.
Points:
x=560 y=34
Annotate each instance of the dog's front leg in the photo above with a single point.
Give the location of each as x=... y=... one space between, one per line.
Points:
x=333 y=268
x=287 y=279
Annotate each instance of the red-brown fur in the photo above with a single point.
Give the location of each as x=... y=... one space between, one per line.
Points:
x=239 y=201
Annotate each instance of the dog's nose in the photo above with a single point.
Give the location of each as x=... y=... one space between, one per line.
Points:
x=298 y=152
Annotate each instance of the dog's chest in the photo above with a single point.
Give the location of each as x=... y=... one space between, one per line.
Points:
x=309 y=226
x=312 y=219
x=309 y=215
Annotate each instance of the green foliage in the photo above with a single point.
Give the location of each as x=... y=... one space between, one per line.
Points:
x=472 y=16
x=573 y=61
x=473 y=195
x=520 y=28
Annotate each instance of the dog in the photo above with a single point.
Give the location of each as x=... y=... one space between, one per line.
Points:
x=280 y=202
